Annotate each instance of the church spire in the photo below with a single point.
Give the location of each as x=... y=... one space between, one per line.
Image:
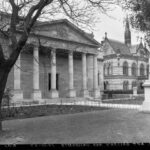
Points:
x=127 y=34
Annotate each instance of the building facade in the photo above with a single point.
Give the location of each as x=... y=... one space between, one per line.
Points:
x=59 y=60
x=125 y=65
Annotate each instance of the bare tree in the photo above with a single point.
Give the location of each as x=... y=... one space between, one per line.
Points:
x=29 y=11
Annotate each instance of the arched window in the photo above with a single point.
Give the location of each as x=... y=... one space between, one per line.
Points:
x=134 y=84
x=125 y=85
x=105 y=69
x=134 y=69
x=108 y=69
x=147 y=70
x=141 y=86
x=111 y=69
x=106 y=85
x=125 y=68
x=141 y=70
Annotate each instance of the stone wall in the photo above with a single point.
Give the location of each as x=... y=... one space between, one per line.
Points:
x=117 y=78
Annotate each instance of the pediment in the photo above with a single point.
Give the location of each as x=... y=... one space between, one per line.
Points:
x=66 y=31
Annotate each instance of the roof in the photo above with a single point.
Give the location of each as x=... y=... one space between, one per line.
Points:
x=40 y=23
x=119 y=47
x=122 y=48
x=86 y=35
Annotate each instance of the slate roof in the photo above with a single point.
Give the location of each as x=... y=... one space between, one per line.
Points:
x=119 y=47
x=122 y=48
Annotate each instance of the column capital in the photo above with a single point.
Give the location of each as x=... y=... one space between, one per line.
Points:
x=36 y=48
x=70 y=52
x=84 y=53
x=95 y=55
x=53 y=50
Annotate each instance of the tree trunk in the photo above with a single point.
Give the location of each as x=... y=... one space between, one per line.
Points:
x=3 y=80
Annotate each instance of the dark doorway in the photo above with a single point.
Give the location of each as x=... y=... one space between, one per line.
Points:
x=49 y=81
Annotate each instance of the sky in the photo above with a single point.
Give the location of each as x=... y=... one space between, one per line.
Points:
x=114 y=26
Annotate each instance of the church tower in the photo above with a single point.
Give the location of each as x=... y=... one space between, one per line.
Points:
x=127 y=34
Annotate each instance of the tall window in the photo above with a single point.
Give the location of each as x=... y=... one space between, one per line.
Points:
x=134 y=84
x=106 y=85
x=125 y=85
x=125 y=68
x=108 y=69
x=105 y=69
x=141 y=86
x=141 y=70
x=147 y=70
x=98 y=76
x=111 y=69
x=134 y=69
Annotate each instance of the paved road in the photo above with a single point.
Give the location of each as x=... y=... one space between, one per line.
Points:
x=105 y=126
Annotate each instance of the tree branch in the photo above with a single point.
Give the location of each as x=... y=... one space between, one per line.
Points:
x=29 y=22
x=2 y=58
x=14 y=21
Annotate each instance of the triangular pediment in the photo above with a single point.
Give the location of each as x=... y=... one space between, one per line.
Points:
x=65 y=30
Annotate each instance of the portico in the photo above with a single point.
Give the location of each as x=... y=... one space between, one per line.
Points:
x=63 y=70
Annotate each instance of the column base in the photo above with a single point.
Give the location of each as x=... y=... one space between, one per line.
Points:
x=71 y=93
x=36 y=95
x=54 y=94
x=85 y=93
x=96 y=93
x=18 y=96
x=146 y=104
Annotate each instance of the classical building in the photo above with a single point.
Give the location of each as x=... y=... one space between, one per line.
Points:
x=125 y=65
x=59 y=60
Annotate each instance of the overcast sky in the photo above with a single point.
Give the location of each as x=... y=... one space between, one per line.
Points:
x=114 y=26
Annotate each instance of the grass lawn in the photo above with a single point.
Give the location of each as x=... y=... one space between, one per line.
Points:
x=105 y=126
x=137 y=101
x=44 y=110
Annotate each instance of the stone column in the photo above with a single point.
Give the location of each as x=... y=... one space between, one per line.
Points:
x=72 y=92
x=53 y=92
x=85 y=92
x=90 y=74
x=36 y=95
x=18 y=94
x=96 y=92
x=146 y=104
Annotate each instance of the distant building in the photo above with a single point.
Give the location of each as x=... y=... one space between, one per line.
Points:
x=125 y=65
x=59 y=60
